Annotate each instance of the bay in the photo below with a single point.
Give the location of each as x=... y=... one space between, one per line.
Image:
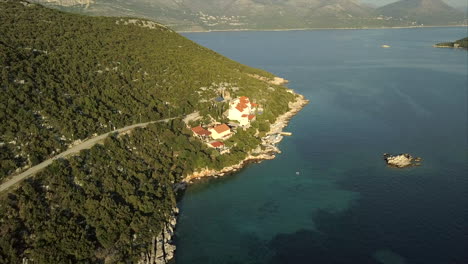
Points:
x=345 y=205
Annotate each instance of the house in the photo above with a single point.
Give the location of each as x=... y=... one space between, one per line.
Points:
x=201 y=132
x=238 y=107
x=216 y=144
x=244 y=120
x=240 y=110
x=220 y=131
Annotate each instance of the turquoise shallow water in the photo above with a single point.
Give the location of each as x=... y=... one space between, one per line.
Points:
x=345 y=206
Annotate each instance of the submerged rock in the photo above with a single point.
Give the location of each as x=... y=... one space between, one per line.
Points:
x=401 y=160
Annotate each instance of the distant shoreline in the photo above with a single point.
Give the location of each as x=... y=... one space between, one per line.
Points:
x=311 y=29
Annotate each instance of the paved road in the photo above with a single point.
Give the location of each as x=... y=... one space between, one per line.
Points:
x=84 y=145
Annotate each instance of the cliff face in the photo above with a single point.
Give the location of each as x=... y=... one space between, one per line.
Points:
x=162 y=247
x=65 y=2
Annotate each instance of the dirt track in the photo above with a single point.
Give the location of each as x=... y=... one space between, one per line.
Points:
x=75 y=149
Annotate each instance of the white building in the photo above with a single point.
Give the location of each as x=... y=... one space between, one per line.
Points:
x=240 y=110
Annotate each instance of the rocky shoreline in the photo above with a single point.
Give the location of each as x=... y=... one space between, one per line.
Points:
x=310 y=29
x=269 y=144
x=162 y=246
x=401 y=160
x=162 y=249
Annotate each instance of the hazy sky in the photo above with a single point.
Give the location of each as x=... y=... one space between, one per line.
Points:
x=455 y=3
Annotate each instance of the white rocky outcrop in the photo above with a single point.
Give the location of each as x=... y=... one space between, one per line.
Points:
x=274 y=81
x=162 y=247
x=401 y=160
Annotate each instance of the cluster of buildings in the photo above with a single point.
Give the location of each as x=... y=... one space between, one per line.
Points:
x=241 y=111
x=213 y=135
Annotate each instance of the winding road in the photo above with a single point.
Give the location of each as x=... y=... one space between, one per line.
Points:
x=76 y=149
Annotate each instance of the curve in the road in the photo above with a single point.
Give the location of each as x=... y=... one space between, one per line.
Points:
x=75 y=149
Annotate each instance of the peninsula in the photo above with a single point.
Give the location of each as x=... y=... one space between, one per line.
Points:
x=113 y=116
x=461 y=43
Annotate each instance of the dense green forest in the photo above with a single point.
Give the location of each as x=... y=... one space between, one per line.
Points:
x=66 y=77
x=102 y=204
x=461 y=43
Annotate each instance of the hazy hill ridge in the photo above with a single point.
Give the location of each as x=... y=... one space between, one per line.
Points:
x=428 y=12
x=271 y=14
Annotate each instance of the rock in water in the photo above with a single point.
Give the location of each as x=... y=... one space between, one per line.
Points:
x=401 y=160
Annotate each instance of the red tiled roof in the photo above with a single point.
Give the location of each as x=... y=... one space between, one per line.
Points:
x=240 y=107
x=244 y=99
x=254 y=104
x=251 y=117
x=221 y=128
x=201 y=131
x=217 y=144
x=245 y=115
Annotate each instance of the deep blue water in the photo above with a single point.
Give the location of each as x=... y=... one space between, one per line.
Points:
x=346 y=205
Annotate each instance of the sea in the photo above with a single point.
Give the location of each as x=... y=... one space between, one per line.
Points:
x=329 y=197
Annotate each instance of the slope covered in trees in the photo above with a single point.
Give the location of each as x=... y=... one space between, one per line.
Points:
x=66 y=77
x=103 y=205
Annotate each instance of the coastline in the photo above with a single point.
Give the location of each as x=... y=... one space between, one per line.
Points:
x=162 y=250
x=257 y=155
x=312 y=29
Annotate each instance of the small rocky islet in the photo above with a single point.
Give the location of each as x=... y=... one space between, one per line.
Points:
x=402 y=160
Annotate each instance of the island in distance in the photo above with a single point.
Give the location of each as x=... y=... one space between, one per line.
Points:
x=402 y=160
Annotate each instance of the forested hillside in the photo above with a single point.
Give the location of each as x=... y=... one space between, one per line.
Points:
x=65 y=77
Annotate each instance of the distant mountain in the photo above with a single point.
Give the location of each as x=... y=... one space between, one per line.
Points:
x=268 y=14
x=427 y=12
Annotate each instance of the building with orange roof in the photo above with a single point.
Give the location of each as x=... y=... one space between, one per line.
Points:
x=200 y=131
x=220 y=131
x=216 y=144
x=241 y=109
